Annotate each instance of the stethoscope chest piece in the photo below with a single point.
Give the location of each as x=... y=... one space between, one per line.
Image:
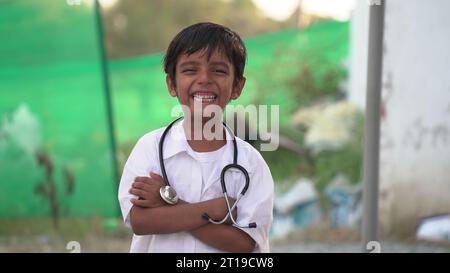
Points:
x=168 y=194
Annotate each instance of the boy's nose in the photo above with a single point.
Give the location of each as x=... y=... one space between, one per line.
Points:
x=204 y=77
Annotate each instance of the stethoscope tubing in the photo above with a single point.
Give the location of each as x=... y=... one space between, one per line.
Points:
x=222 y=178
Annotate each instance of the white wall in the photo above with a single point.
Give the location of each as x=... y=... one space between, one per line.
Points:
x=415 y=122
x=358 y=59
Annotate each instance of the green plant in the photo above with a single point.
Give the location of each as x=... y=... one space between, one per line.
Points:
x=317 y=79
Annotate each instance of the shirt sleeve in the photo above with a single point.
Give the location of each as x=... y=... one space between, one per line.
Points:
x=141 y=162
x=257 y=205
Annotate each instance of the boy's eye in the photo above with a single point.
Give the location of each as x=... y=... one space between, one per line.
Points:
x=220 y=71
x=188 y=70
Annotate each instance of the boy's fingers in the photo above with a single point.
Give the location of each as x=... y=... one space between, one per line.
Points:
x=146 y=179
x=231 y=200
x=140 y=203
x=142 y=179
x=137 y=192
x=156 y=176
x=141 y=186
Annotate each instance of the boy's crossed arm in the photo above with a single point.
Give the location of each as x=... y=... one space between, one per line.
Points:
x=151 y=215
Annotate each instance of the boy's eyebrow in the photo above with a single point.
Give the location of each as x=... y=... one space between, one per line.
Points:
x=195 y=63
x=220 y=63
x=189 y=63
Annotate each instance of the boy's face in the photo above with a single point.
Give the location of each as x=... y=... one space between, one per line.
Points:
x=202 y=81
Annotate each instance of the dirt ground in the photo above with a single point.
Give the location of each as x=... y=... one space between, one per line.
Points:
x=111 y=236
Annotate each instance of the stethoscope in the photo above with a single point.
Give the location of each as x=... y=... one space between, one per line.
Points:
x=169 y=195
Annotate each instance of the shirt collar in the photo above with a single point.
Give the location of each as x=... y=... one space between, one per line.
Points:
x=176 y=142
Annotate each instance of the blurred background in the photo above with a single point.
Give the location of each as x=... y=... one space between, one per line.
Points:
x=80 y=84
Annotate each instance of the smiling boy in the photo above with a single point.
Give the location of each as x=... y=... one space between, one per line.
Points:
x=204 y=67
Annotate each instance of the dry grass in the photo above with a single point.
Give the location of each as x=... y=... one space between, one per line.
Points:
x=39 y=235
x=110 y=235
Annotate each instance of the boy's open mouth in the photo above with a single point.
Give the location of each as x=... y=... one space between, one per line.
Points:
x=204 y=97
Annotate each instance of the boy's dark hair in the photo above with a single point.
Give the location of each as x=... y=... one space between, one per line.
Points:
x=208 y=37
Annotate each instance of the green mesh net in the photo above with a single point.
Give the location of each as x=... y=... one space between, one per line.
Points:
x=55 y=150
x=56 y=156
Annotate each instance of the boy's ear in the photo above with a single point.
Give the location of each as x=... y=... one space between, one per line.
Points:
x=237 y=89
x=170 y=86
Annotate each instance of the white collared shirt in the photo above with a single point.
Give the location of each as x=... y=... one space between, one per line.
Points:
x=192 y=184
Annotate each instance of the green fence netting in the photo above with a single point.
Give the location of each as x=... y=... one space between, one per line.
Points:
x=55 y=154
x=141 y=102
x=55 y=150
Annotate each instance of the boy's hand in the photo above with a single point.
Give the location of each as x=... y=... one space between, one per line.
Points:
x=233 y=212
x=222 y=210
x=147 y=189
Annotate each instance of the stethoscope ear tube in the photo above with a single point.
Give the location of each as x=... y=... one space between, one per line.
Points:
x=161 y=150
x=224 y=190
x=229 y=214
x=239 y=167
x=167 y=193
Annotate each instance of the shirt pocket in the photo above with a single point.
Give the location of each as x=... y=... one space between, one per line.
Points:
x=185 y=179
x=213 y=191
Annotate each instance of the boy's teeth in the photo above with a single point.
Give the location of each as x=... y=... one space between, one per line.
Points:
x=204 y=98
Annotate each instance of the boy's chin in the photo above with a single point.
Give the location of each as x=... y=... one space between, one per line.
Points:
x=206 y=111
